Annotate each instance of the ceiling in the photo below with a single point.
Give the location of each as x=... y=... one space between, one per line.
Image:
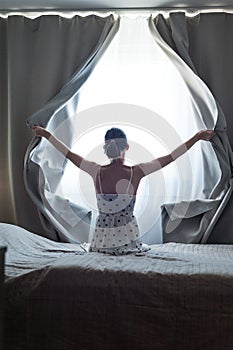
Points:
x=6 y=5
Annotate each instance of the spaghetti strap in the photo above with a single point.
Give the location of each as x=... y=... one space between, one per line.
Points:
x=101 y=191
x=131 y=175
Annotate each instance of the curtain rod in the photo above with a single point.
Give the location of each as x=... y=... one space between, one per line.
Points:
x=33 y=13
x=115 y=9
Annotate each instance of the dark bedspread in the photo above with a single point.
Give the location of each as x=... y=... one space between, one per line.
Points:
x=59 y=297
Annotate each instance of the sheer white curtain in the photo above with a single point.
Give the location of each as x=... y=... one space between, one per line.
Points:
x=135 y=86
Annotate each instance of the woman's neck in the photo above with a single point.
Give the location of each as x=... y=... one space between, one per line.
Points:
x=118 y=161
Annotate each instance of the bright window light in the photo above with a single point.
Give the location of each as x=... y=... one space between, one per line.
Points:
x=134 y=71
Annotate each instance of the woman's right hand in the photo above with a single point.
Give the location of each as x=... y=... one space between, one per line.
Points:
x=205 y=135
x=40 y=131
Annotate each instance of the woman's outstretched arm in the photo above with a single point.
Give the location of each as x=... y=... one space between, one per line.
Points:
x=82 y=163
x=156 y=164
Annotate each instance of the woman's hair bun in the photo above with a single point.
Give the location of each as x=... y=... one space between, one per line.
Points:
x=115 y=142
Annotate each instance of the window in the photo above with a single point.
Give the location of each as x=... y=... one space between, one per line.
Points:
x=135 y=87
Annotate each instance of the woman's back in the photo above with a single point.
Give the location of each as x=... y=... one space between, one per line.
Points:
x=117 y=178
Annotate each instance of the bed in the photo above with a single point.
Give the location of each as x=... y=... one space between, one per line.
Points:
x=60 y=297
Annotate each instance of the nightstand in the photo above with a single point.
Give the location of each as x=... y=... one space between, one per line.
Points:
x=2 y=259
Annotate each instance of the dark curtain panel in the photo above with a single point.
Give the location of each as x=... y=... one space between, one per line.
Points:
x=44 y=165
x=204 y=42
x=38 y=58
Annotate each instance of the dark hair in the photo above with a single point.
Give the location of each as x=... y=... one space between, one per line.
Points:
x=115 y=142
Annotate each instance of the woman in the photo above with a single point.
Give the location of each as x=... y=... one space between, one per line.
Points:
x=116 y=230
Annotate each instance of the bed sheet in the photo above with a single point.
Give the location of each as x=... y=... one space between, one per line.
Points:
x=58 y=296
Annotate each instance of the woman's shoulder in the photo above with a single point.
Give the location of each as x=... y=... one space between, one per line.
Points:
x=137 y=168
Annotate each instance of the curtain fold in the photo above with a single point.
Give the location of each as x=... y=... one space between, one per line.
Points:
x=39 y=58
x=193 y=44
x=70 y=221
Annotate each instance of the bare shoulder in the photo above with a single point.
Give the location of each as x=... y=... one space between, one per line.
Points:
x=138 y=171
x=90 y=167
